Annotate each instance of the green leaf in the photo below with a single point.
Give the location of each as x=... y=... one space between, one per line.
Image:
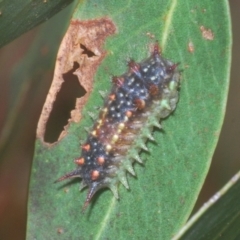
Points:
x=162 y=195
x=19 y=16
x=221 y=213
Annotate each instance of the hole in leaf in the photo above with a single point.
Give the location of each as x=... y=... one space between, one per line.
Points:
x=63 y=105
x=86 y=51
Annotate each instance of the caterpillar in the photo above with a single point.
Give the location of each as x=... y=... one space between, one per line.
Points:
x=137 y=101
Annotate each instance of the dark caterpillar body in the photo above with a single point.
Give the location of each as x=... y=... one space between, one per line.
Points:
x=137 y=100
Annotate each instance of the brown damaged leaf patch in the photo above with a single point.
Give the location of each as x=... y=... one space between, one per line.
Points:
x=82 y=44
x=207 y=33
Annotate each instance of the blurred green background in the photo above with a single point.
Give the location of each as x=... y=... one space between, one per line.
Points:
x=17 y=152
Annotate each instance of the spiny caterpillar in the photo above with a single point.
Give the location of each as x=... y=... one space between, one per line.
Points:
x=136 y=102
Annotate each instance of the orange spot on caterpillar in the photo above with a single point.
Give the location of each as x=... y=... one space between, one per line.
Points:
x=112 y=97
x=79 y=161
x=128 y=114
x=95 y=175
x=101 y=160
x=140 y=103
x=86 y=147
